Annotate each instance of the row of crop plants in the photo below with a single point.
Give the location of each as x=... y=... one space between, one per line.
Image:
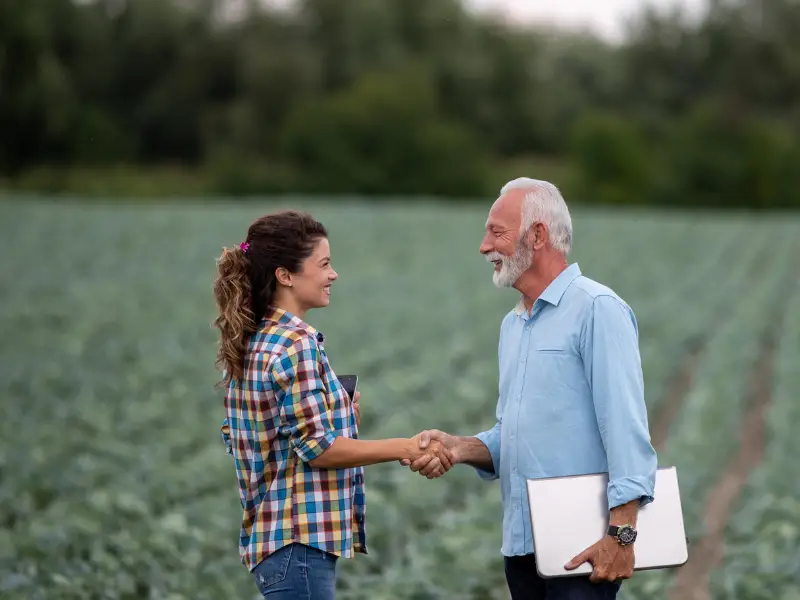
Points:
x=762 y=551
x=707 y=430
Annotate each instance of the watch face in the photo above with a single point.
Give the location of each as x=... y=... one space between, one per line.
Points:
x=627 y=535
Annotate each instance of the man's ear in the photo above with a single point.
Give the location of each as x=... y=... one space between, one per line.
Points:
x=538 y=235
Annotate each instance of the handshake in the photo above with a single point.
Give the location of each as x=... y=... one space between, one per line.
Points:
x=433 y=453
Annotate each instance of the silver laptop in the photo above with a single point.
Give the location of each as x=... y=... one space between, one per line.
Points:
x=569 y=514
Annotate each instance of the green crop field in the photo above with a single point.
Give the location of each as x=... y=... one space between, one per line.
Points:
x=113 y=479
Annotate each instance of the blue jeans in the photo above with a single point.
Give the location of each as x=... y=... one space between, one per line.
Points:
x=525 y=583
x=297 y=572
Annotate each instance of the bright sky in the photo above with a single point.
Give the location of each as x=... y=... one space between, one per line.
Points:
x=604 y=16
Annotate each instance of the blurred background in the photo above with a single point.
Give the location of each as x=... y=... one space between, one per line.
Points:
x=139 y=137
x=664 y=103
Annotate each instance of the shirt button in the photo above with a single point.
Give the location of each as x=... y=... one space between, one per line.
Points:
x=512 y=436
x=519 y=396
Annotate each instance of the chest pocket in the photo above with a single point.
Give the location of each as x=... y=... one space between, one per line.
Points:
x=557 y=372
x=551 y=349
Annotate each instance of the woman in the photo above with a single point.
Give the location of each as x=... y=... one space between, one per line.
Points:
x=291 y=427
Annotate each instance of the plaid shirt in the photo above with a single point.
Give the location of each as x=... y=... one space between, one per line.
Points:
x=286 y=412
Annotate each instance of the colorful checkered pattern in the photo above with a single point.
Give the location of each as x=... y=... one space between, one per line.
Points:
x=288 y=410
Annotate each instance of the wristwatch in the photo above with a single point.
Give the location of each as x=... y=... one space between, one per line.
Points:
x=624 y=534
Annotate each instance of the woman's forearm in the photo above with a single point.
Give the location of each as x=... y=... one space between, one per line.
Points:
x=347 y=452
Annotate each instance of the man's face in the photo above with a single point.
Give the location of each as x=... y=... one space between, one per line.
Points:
x=502 y=244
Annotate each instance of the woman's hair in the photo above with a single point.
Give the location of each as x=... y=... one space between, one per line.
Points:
x=246 y=283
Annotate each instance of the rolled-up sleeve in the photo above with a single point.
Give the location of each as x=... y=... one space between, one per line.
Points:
x=491 y=439
x=305 y=418
x=610 y=348
x=225 y=431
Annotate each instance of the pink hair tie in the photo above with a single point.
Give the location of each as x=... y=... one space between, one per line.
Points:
x=244 y=246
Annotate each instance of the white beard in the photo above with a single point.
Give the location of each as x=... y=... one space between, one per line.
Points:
x=512 y=267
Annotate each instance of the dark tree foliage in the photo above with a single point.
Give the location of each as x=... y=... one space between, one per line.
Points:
x=406 y=97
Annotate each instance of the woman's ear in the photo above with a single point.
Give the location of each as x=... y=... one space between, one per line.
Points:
x=283 y=276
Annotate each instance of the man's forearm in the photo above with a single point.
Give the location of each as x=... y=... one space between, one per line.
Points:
x=625 y=514
x=471 y=451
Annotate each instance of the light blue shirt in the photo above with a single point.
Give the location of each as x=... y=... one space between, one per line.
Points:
x=571 y=400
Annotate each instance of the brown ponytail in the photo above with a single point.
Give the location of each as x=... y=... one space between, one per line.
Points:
x=245 y=283
x=235 y=320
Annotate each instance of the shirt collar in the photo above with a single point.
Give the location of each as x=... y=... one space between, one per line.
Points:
x=284 y=317
x=555 y=291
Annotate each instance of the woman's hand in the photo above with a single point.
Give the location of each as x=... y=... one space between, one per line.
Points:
x=434 y=454
x=357 y=408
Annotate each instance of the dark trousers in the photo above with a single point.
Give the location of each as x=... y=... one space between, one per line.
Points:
x=525 y=583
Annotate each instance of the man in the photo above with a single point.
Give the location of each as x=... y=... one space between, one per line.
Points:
x=570 y=394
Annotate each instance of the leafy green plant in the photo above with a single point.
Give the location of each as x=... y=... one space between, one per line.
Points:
x=113 y=480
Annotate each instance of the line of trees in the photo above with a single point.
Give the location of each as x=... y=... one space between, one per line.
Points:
x=406 y=97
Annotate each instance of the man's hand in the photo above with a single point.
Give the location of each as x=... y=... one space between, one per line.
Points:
x=430 y=452
x=357 y=408
x=610 y=561
x=430 y=465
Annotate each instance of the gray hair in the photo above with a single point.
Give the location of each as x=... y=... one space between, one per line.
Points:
x=544 y=203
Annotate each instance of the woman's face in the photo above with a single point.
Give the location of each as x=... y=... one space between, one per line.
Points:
x=311 y=287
